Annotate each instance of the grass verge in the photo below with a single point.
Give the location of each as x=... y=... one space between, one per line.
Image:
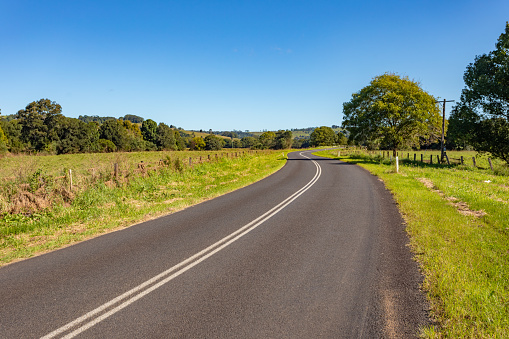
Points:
x=457 y=219
x=106 y=205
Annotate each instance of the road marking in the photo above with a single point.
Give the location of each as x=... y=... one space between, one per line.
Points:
x=141 y=290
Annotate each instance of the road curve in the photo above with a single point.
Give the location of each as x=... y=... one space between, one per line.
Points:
x=317 y=249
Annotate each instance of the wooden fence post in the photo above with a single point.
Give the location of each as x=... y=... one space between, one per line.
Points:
x=422 y=160
x=447 y=158
x=491 y=165
x=438 y=159
x=461 y=160
x=115 y=170
x=190 y=162
x=473 y=160
x=70 y=179
x=431 y=159
x=415 y=155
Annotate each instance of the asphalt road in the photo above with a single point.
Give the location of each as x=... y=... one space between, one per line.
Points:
x=316 y=250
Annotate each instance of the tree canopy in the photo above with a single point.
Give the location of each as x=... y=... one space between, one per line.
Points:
x=38 y=121
x=481 y=118
x=322 y=136
x=392 y=112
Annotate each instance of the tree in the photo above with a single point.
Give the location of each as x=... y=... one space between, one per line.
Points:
x=12 y=130
x=133 y=118
x=75 y=136
x=198 y=144
x=341 y=139
x=165 y=137
x=38 y=121
x=248 y=142
x=392 y=111
x=213 y=143
x=483 y=111
x=106 y=146
x=179 y=141
x=149 y=130
x=283 y=139
x=322 y=136
x=267 y=139
x=114 y=131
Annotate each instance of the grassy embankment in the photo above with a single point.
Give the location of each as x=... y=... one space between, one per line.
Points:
x=39 y=211
x=458 y=221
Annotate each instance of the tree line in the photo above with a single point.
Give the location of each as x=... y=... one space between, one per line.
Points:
x=394 y=112
x=42 y=128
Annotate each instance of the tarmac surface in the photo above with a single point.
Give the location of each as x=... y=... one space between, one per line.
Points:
x=316 y=250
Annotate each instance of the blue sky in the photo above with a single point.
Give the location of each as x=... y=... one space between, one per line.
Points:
x=224 y=65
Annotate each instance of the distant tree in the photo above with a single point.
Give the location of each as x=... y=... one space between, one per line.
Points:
x=323 y=136
x=267 y=139
x=133 y=118
x=114 y=131
x=3 y=142
x=149 y=130
x=165 y=137
x=248 y=142
x=227 y=143
x=132 y=128
x=76 y=136
x=392 y=111
x=95 y=118
x=229 y=134
x=300 y=143
x=106 y=146
x=283 y=139
x=197 y=144
x=341 y=139
x=9 y=117
x=179 y=141
x=12 y=130
x=213 y=142
x=237 y=143
x=482 y=115
x=38 y=121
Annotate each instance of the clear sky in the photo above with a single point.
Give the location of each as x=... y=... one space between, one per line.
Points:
x=224 y=65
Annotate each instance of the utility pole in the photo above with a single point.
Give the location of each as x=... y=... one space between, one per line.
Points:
x=442 y=147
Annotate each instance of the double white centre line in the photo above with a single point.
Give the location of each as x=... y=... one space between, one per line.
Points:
x=104 y=311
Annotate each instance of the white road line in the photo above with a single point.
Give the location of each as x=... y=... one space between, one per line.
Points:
x=139 y=292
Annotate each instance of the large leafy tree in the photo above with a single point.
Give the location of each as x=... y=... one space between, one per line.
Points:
x=322 y=136
x=38 y=122
x=482 y=115
x=393 y=111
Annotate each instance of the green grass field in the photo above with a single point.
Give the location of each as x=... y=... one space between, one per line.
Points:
x=458 y=221
x=54 y=216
